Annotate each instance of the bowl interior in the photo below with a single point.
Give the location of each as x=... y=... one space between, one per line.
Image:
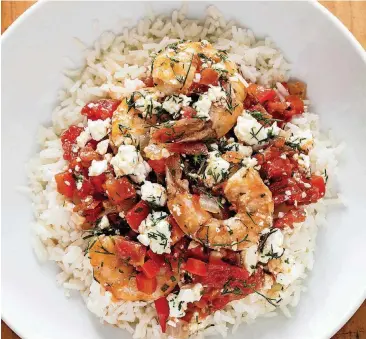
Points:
x=34 y=54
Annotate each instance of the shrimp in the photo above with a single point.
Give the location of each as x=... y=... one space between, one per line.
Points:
x=247 y=193
x=173 y=69
x=127 y=125
x=118 y=277
x=176 y=70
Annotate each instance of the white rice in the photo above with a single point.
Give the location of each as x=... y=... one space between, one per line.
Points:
x=57 y=234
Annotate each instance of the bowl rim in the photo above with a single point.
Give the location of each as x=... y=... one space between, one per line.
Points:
x=17 y=328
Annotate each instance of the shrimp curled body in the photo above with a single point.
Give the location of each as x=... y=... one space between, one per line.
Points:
x=246 y=192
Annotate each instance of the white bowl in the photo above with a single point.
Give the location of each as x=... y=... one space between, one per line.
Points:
x=324 y=54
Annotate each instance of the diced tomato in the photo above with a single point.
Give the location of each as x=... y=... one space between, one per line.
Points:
x=261 y=94
x=176 y=232
x=146 y=285
x=286 y=110
x=90 y=208
x=294 y=215
x=98 y=182
x=233 y=280
x=87 y=154
x=150 y=269
x=196 y=267
x=148 y=81
x=192 y=148
x=302 y=191
x=285 y=190
x=276 y=107
x=188 y=112
x=318 y=183
x=137 y=214
x=68 y=140
x=159 y=259
x=133 y=252
x=100 y=109
x=198 y=252
x=219 y=272
x=119 y=189
x=277 y=168
x=86 y=188
x=158 y=165
x=297 y=88
x=92 y=143
x=167 y=134
x=296 y=104
x=209 y=77
x=65 y=184
x=162 y=309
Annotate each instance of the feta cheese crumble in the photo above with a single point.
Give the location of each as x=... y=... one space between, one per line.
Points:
x=250 y=256
x=147 y=104
x=217 y=169
x=174 y=103
x=272 y=248
x=245 y=151
x=178 y=302
x=83 y=138
x=153 y=193
x=298 y=137
x=202 y=106
x=99 y=128
x=97 y=167
x=155 y=232
x=128 y=161
x=102 y=147
x=204 y=102
x=250 y=131
x=104 y=222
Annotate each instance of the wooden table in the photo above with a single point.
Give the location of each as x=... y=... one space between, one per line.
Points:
x=353 y=15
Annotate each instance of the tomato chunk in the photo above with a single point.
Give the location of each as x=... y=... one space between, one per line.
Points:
x=296 y=104
x=196 y=267
x=193 y=148
x=297 y=88
x=100 y=109
x=162 y=309
x=148 y=81
x=168 y=134
x=65 y=184
x=98 y=182
x=90 y=208
x=86 y=188
x=209 y=77
x=133 y=252
x=145 y=284
x=150 y=268
x=294 y=215
x=261 y=94
x=119 y=189
x=137 y=214
x=158 y=165
x=68 y=140
x=188 y=112
x=159 y=259
x=318 y=183
x=87 y=154
x=198 y=252
x=292 y=192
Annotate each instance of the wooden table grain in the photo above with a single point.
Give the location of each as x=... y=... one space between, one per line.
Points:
x=353 y=16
